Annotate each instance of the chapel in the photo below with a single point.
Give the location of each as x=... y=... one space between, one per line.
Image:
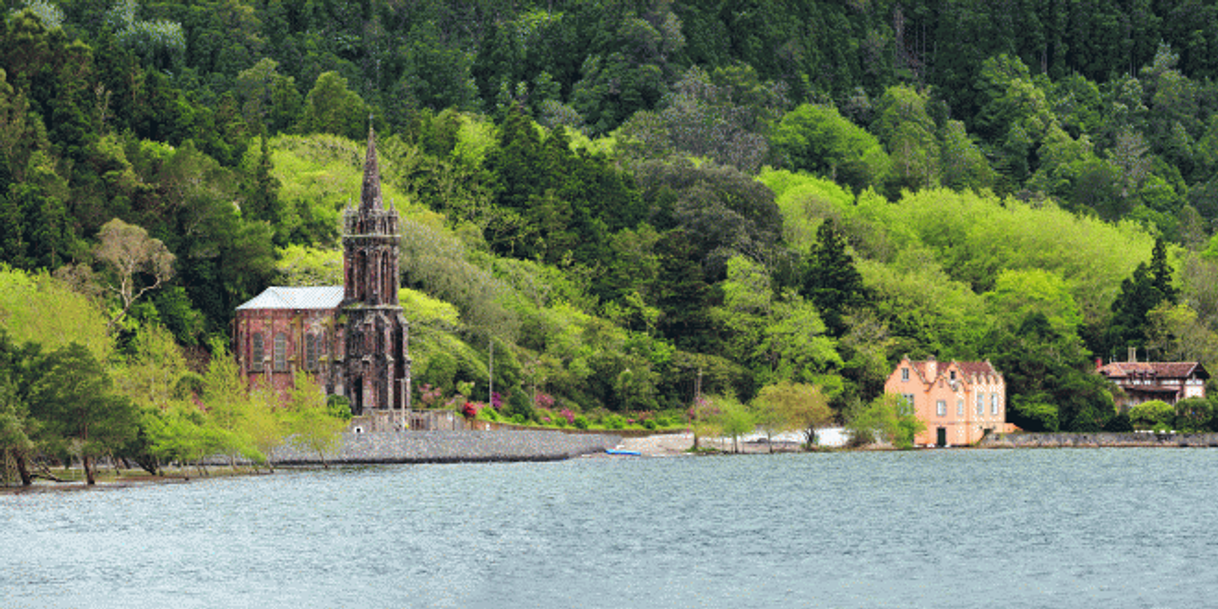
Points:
x=354 y=337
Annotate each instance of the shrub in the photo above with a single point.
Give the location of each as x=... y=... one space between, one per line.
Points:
x=581 y=422
x=339 y=406
x=1155 y=414
x=1193 y=414
x=649 y=423
x=518 y=404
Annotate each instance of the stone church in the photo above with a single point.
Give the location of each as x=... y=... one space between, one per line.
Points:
x=353 y=337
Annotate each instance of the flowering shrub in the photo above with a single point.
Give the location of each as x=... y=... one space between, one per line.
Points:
x=469 y=410
x=430 y=395
x=568 y=415
x=496 y=401
x=544 y=401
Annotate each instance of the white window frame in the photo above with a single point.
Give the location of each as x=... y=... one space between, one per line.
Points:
x=941 y=408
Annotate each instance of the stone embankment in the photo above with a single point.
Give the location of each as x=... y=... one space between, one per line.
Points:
x=1098 y=440
x=453 y=447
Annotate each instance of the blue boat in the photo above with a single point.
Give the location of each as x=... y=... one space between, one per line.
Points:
x=617 y=451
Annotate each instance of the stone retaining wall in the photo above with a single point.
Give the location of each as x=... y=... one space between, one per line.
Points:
x=454 y=447
x=1099 y=439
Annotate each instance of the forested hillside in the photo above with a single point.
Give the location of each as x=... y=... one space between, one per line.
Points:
x=633 y=201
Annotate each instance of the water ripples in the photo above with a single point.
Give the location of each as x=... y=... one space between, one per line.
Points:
x=920 y=529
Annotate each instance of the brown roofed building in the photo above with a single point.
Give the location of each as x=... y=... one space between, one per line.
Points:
x=1146 y=381
x=958 y=401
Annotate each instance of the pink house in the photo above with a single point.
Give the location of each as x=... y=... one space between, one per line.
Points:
x=958 y=401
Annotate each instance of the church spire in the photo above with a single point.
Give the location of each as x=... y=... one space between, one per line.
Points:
x=370 y=198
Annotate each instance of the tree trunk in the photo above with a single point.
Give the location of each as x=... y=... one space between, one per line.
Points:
x=87 y=463
x=23 y=470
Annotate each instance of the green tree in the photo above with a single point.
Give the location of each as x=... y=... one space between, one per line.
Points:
x=818 y=139
x=330 y=107
x=832 y=282
x=888 y=418
x=81 y=412
x=787 y=406
x=311 y=426
x=1155 y=414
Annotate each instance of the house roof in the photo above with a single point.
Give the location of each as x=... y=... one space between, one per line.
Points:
x=1117 y=370
x=277 y=297
x=966 y=368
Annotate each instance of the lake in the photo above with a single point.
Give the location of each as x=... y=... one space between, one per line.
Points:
x=948 y=528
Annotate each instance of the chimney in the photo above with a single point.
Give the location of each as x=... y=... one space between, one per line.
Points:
x=1133 y=354
x=932 y=369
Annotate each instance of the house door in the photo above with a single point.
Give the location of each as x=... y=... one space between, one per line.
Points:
x=942 y=439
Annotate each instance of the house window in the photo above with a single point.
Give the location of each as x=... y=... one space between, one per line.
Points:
x=994 y=403
x=959 y=408
x=909 y=400
x=256 y=352
x=941 y=408
x=904 y=374
x=952 y=374
x=980 y=404
x=281 y=352
x=311 y=351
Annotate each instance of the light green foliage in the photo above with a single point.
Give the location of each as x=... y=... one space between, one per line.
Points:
x=301 y=265
x=150 y=377
x=226 y=397
x=1155 y=414
x=804 y=201
x=734 y=418
x=420 y=308
x=818 y=139
x=782 y=339
x=925 y=308
x=25 y=300
x=181 y=433
x=1018 y=293
x=310 y=424
x=320 y=176
x=888 y=418
x=974 y=237
x=787 y=406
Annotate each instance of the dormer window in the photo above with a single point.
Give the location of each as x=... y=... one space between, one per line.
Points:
x=952 y=375
x=904 y=374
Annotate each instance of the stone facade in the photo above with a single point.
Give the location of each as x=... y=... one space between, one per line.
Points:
x=958 y=401
x=353 y=337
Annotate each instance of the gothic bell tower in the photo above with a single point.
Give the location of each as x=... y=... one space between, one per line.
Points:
x=375 y=366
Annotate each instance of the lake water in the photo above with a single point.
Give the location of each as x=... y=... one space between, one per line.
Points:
x=967 y=528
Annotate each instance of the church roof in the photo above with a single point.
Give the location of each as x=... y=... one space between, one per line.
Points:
x=276 y=297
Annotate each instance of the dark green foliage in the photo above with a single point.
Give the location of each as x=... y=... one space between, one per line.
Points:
x=1049 y=379
x=75 y=401
x=832 y=282
x=1146 y=289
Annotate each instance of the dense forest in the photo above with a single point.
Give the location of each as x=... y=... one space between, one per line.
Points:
x=632 y=201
